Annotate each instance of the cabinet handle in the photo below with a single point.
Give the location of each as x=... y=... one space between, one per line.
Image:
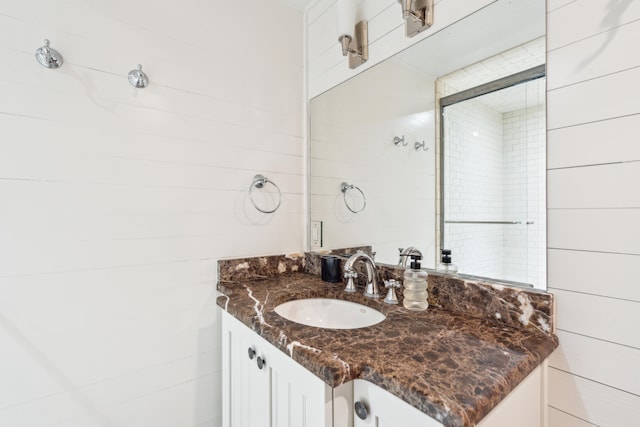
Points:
x=261 y=362
x=252 y=353
x=361 y=410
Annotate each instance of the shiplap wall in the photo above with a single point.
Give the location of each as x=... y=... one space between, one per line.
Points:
x=326 y=67
x=593 y=161
x=117 y=202
x=352 y=140
x=594 y=210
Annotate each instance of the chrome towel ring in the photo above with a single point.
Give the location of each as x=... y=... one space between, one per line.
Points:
x=259 y=181
x=344 y=187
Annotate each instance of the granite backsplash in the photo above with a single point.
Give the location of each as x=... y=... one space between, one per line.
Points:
x=514 y=306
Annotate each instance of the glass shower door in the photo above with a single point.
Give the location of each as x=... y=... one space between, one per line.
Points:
x=493 y=174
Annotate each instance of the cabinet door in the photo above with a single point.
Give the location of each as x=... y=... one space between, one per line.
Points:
x=298 y=398
x=281 y=394
x=387 y=410
x=245 y=388
x=522 y=407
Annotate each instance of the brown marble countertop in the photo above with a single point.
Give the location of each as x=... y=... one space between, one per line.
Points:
x=452 y=367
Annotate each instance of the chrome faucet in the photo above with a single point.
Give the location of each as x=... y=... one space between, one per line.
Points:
x=406 y=253
x=372 y=290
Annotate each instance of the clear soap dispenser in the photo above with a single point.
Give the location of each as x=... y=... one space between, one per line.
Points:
x=415 y=286
x=446 y=266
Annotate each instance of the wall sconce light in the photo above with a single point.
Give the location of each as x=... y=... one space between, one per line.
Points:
x=417 y=14
x=354 y=41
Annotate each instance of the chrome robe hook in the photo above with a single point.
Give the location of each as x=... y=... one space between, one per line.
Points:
x=138 y=78
x=48 y=56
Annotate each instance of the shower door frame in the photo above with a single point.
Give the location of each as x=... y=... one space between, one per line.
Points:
x=525 y=76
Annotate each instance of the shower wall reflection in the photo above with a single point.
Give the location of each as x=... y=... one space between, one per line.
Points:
x=494 y=183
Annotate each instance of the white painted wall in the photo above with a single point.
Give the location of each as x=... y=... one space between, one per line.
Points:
x=352 y=140
x=117 y=203
x=593 y=161
x=326 y=67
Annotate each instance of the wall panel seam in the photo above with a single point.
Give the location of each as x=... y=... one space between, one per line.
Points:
x=594 y=381
x=591 y=164
x=597 y=339
x=571 y=415
x=592 y=294
x=607 y=208
x=592 y=251
x=555 y=49
x=593 y=78
x=592 y=121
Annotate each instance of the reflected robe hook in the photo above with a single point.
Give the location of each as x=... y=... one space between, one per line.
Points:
x=397 y=140
x=419 y=145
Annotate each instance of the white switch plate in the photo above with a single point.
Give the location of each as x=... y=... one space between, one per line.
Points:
x=316 y=234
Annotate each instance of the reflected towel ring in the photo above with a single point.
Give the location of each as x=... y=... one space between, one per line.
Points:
x=344 y=187
x=260 y=181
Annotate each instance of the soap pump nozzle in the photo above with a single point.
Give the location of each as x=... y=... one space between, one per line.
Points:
x=446 y=266
x=415 y=261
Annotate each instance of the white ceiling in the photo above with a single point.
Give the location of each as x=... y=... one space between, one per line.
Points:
x=297 y=4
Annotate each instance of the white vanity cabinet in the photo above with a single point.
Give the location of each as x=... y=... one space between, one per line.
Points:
x=383 y=409
x=522 y=407
x=261 y=386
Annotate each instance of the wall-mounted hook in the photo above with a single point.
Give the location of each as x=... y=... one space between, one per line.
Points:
x=419 y=145
x=397 y=140
x=138 y=78
x=48 y=56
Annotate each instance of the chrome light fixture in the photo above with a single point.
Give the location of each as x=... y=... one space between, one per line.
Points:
x=353 y=41
x=417 y=14
x=138 y=78
x=48 y=57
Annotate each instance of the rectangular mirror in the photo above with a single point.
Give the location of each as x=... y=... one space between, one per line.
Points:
x=378 y=165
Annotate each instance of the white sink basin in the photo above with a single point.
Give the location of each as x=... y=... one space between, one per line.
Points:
x=329 y=313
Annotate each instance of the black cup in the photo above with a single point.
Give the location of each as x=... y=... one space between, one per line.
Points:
x=330 y=267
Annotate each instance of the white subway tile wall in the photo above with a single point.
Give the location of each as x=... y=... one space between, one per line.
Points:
x=511 y=180
x=524 y=199
x=520 y=58
x=494 y=170
x=474 y=177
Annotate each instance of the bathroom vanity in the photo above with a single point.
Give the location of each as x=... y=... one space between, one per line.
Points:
x=433 y=368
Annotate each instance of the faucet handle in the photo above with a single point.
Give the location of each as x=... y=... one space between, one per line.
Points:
x=392 y=285
x=350 y=275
